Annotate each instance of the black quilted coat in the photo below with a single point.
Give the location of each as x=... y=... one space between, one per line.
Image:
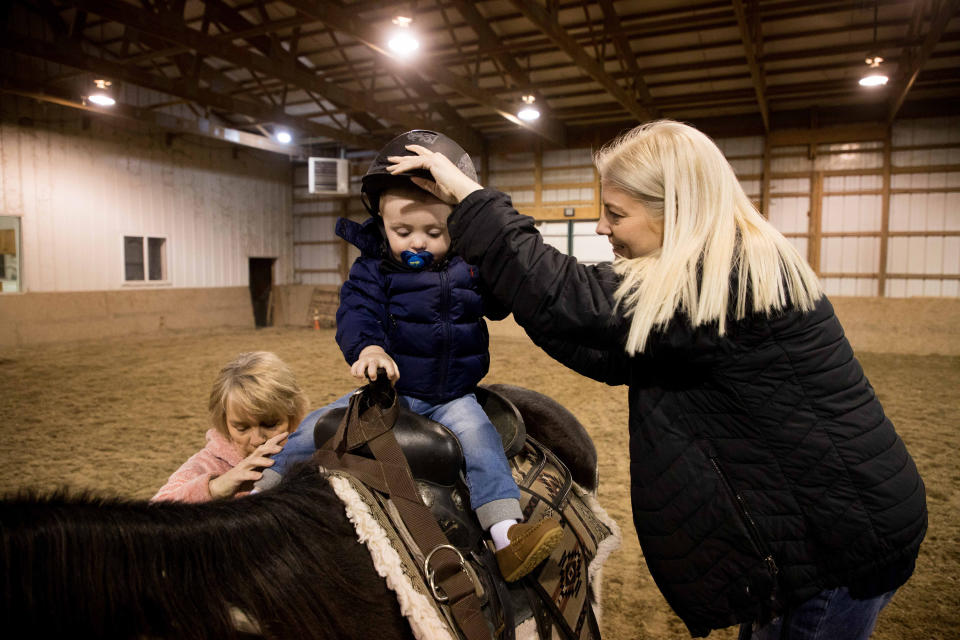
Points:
x=762 y=467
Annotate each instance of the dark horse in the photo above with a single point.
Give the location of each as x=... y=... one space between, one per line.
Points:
x=85 y=566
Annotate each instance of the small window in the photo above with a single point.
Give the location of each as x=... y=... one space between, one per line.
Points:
x=144 y=261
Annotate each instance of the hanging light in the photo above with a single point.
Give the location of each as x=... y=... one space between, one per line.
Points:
x=875 y=76
x=529 y=112
x=101 y=96
x=403 y=42
x=283 y=136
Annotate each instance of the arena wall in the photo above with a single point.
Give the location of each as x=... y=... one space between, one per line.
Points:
x=921 y=326
x=38 y=318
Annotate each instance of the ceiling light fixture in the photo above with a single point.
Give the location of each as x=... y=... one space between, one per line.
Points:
x=283 y=136
x=101 y=96
x=402 y=41
x=875 y=77
x=528 y=112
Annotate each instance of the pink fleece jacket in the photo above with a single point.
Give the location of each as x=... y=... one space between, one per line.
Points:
x=191 y=482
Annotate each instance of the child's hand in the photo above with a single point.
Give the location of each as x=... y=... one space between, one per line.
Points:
x=371 y=359
x=248 y=470
x=449 y=184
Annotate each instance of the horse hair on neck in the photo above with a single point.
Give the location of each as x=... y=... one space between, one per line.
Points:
x=85 y=566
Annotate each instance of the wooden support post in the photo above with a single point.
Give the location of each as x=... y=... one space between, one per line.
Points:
x=765 y=179
x=538 y=180
x=816 y=221
x=884 y=215
x=344 y=269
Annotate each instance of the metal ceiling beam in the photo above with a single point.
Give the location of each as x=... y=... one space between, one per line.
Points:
x=488 y=42
x=751 y=49
x=201 y=127
x=625 y=53
x=347 y=23
x=938 y=24
x=177 y=32
x=72 y=55
x=271 y=48
x=535 y=14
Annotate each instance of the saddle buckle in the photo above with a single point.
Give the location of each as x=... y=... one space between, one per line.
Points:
x=435 y=590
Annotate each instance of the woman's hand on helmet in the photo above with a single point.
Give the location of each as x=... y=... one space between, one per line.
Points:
x=450 y=184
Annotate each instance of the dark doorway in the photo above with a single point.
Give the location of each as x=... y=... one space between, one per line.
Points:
x=261 y=285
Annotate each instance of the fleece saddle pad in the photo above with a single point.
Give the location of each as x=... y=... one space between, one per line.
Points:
x=559 y=599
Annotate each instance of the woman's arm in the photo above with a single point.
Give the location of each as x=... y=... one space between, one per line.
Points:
x=611 y=366
x=548 y=292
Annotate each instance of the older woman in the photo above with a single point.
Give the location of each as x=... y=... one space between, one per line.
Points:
x=254 y=403
x=768 y=487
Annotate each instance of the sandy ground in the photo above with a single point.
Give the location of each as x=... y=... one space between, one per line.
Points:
x=118 y=416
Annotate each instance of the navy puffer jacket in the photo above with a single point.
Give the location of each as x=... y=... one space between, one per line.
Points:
x=430 y=322
x=762 y=467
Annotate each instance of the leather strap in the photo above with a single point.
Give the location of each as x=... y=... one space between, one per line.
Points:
x=369 y=421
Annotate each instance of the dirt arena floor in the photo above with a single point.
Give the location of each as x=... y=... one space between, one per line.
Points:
x=118 y=416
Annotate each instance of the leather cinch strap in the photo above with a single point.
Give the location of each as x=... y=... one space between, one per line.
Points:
x=369 y=421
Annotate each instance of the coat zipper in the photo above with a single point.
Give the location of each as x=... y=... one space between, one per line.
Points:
x=752 y=529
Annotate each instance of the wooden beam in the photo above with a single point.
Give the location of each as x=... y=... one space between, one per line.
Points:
x=885 y=216
x=350 y=24
x=851 y=133
x=67 y=53
x=939 y=23
x=177 y=32
x=756 y=70
x=625 y=53
x=488 y=42
x=816 y=221
x=234 y=20
x=156 y=119
x=559 y=36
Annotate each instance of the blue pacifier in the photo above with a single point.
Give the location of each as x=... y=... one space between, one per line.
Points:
x=418 y=260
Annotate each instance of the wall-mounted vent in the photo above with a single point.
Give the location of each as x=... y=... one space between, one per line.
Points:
x=329 y=176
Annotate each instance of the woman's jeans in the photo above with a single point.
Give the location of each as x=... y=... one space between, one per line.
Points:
x=829 y=615
x=493 y=492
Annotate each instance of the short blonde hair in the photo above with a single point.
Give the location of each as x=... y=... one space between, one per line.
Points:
x=261 y=385
x=711 y=231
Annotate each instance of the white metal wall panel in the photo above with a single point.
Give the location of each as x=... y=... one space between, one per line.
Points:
x=567 y=157
x=926 y=131
x=790 y=215
x=589 y=247
x=80 y=191
x=554 y=234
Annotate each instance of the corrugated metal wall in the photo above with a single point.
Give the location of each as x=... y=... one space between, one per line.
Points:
x=827 y=198
x=81 y=184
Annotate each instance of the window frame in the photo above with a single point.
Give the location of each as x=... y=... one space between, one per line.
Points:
x=145 y=248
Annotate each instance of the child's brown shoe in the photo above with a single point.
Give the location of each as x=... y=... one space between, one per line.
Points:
x=530 y=544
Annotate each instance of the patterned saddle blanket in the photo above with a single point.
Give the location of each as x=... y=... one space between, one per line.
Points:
x=559 y=599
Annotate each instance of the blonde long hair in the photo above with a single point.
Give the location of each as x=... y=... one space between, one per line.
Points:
x=710 y=229
x=261 y=385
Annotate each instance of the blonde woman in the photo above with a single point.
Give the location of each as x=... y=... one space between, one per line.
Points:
x=255 y=402
x=768 y=487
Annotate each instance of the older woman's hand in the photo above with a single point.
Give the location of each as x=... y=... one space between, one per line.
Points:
x=451 y=184
x=248 y=470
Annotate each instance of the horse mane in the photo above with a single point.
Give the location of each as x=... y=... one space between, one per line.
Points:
x=91 y=566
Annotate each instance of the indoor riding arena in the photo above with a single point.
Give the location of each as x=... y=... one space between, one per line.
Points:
x=171 y=175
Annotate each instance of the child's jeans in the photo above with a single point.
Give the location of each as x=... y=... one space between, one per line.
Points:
x=829 y=615
x=493 y=493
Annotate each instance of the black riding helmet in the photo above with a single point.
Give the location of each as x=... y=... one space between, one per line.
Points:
x=377 y=179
